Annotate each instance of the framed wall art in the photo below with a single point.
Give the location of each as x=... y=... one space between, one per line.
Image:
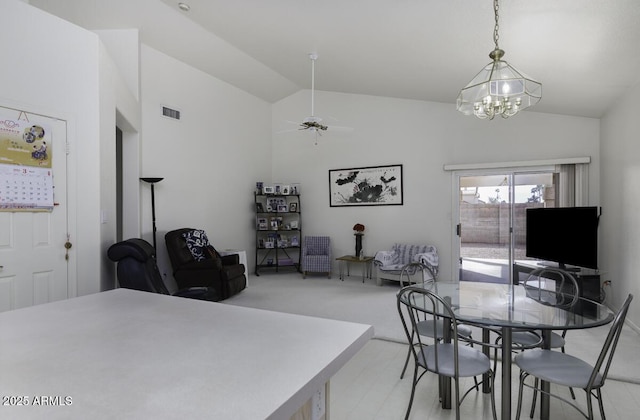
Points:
x=366 y=186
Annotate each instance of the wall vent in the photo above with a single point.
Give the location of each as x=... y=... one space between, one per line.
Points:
x=170 y=113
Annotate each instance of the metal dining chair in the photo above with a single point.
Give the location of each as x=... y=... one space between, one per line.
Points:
x=563 y=369
x=417 y=273
x=564 y=294
x=448 y=359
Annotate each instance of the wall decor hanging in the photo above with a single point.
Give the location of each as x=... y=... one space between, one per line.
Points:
x=366 y=186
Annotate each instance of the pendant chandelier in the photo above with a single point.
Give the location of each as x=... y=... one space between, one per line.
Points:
x=499 y=89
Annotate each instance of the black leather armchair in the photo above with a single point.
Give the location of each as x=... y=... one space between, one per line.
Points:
x=224 y=274
x=137 y=269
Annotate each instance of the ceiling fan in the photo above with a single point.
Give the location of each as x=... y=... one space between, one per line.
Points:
x=314 y=123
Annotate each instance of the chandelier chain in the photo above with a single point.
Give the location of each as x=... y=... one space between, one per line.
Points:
x=496 y=36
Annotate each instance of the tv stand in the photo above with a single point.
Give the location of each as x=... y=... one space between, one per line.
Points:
x=571 y=269
x=588 y=280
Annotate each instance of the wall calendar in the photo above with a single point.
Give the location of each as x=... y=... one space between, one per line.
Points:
x=26 y=177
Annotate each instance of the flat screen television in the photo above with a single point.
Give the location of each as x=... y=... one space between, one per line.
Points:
x=565 y=235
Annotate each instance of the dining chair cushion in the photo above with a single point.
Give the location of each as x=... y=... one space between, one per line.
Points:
x=556 y=367
x=471 y=362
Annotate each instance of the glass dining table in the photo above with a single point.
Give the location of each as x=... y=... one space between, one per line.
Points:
x=504 y=308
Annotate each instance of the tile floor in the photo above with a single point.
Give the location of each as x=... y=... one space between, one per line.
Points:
x=369 y=387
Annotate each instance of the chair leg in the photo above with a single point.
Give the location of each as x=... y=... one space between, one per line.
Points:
x=406 y=362
x=493 y=395
x=520 y=389
x=413 y=391
x=590 y=406
x=457 y=398
x=534 y=399
x=599 y=396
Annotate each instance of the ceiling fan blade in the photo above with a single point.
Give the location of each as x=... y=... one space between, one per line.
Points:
x=288 y=130
x=339 y=128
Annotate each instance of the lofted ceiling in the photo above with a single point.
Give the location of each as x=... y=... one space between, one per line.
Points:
x=584 y=52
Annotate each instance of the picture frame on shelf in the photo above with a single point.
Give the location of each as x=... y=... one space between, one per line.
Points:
x=274 y=224
x=293 y=224
x=262 y=223
x=261 y=243
x=282 y=208
x=269 y=244
x=277 y=188
x=268 y=189
x=293 y=207
x=366 y=186
x=285 y=190
x=294 y=241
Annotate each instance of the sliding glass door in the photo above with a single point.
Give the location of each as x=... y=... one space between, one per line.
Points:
x=490 y=233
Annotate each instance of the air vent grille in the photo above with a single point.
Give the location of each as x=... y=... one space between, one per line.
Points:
x=170 y=113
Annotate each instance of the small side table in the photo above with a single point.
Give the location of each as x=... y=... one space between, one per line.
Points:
x=242 y=256
x=348 y=259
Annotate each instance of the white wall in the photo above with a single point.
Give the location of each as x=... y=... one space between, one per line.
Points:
x=210 y=159
x=63 y=82
x=620 y=192
x=423 y=136
x=118 y=105
x=81 y=84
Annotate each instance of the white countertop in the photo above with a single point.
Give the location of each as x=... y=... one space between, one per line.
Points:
x=129 y=354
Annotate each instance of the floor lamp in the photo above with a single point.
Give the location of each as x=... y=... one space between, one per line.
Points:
x=152 y=181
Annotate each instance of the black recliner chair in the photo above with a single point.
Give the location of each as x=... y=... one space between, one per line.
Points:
x=225 y=274
x=137 y=269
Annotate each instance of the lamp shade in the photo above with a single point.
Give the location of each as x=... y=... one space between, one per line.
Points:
x=498 y=89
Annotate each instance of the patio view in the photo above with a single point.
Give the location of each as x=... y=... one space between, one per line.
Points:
x=485 y=211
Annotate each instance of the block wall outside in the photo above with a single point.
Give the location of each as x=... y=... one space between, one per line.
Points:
x=487 y=223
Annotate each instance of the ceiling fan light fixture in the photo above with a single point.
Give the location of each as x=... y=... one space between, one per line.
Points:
x=498 y=89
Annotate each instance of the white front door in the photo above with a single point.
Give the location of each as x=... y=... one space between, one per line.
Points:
x=33 y=262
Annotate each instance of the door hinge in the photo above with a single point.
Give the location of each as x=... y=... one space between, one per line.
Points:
x=459 y=229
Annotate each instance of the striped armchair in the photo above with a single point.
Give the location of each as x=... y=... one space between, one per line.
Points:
x=389 y=263
x=316 y=255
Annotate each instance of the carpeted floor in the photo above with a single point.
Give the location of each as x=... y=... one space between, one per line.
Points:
x=349 y=300
x=365 y=303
